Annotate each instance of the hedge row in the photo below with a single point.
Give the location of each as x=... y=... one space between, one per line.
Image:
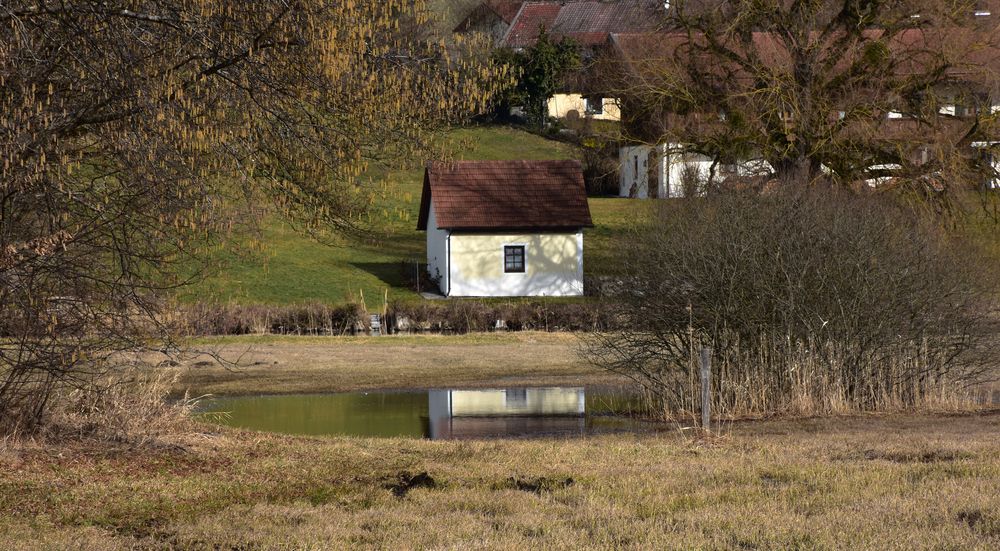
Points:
x=446 y=316
x=464 y=316
x=260 y=319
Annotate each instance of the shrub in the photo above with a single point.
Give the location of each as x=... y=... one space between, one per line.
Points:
x=452 y=316
x=304 y=319
x=600 y=166
x=463 y=316
x=812 y=300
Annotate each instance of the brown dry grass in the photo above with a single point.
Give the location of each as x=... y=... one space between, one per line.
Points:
x=274 y=365
x=903 y=481
x=862 y=482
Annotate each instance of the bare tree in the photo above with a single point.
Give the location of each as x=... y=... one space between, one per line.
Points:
x=842 y=88
x=132 y=132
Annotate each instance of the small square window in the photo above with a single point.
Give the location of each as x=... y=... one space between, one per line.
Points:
x=513 y=259
x=595 y=105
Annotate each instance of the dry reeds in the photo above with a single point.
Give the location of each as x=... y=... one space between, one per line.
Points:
x=779 y=377
x=775 y=376
x=128 y=408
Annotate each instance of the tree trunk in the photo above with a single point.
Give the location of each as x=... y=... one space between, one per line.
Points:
x=800 y=170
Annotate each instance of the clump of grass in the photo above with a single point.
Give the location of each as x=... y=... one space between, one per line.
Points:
x=124 y=408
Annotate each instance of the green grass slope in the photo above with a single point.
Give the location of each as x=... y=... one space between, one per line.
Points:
x=295 y=268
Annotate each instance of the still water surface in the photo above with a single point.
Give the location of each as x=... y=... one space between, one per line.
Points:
x=436 y=414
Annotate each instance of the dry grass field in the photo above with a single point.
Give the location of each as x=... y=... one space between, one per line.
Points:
x=862 y=482
x=892 y=481
x=279 y=365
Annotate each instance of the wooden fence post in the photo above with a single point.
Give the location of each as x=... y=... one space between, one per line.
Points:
x=706 y=388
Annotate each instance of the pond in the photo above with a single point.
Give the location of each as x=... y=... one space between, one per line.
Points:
x=435 y=414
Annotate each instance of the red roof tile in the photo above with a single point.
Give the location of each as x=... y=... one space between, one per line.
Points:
x=609 y=17
x=589 y=22
x=505 y=195
x=506 y=9
x=532 y=17
x=651 y=55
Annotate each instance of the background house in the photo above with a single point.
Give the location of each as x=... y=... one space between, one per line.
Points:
x=656 y=155
x=505 y=228
x=588 y=23
x=492 y=18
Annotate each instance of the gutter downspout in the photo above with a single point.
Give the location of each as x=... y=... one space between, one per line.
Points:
x=447 y=247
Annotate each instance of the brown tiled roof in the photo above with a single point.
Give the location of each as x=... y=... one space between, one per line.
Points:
x=506 y=9
x=588 y=18
x=532 y=17
x=505 y=195
x=652 y=54
x=589 y=22
x=487 y=13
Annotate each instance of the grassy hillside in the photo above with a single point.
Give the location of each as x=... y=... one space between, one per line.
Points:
x=295 y=268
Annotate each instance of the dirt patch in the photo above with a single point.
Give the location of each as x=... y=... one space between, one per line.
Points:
x=980 y=522
x=972 y=518
x=535 y=485
x=404 y=482
x=926 y=456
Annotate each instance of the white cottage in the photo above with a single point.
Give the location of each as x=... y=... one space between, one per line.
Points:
x=671 y=170
x=647 y=171
x=505 y=228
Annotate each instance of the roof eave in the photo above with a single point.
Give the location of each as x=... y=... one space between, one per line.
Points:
x=425 y=203
x=538 y=229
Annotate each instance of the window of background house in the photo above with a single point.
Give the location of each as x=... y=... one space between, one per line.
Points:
x=594 y=105
x=513 y=259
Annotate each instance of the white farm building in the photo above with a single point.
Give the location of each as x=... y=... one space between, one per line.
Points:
x=505 y=228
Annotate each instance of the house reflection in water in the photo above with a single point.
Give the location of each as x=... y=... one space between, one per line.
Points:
x=510 y=412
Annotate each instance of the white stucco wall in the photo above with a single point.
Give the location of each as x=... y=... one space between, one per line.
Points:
x=673 y=162
x=676 y=163
x=994 y=181
x=633 y=171
x=553 y=265
x=561 y=104
x=991 y=153
x=475 y=413
x=437 y=251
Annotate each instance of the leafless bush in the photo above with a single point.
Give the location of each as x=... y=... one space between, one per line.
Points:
x=463 y=316
x=261 y=319
x=600 y=166
x=452 y=316
x=812 y=301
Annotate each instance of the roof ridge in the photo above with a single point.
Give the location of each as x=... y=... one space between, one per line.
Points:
x=503 y=161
